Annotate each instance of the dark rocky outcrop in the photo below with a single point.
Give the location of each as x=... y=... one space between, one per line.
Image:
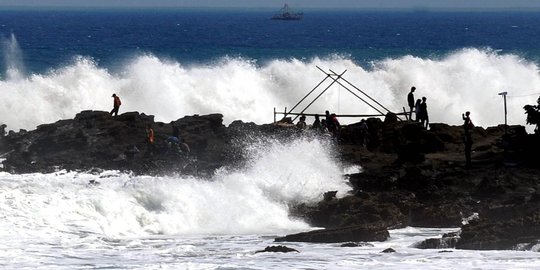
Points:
x=369 y=232
x=505 y=227
x=354 y=244
x=94 y=139
x=283 y=249
x=414 y=177
x=411 y=176
x=446 y=241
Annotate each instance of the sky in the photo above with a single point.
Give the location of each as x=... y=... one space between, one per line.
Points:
x=360 y=4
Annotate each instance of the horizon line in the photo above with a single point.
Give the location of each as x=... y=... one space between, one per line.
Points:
x=250 y=8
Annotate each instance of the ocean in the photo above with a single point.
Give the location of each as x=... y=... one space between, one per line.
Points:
x=173 y=62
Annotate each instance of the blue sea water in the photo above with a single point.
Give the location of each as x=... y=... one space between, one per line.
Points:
x=238 y=62
x=52 y=38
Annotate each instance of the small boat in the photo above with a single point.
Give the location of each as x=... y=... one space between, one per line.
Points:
x=287 y=14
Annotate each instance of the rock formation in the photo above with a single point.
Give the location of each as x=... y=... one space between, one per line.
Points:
x=411 y=176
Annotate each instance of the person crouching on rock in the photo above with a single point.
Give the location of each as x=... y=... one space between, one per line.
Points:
x=301 y=125
x=116 y=105
x=150 y=140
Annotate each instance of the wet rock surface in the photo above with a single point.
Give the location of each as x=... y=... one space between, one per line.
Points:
x=494 y=203
x=410 y=177
x=283 y=249
x=94 y=139
x=369 y=232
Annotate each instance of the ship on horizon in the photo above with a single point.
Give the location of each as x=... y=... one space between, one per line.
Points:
x=287 y=14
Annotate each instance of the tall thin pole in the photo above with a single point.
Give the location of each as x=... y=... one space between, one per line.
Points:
x=362 y=92
x=317 y=86
x=317 y=97
x=505 y=112
x=505 y=116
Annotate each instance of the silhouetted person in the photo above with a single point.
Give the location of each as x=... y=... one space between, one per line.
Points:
x=364 y=131
x=2 y=131
x=324 y=126
x=116 y=105
x=417 y=109
x=336 y=125
x=317 y=123
x=410 y=101
x=423 y=114
x=302 y=123
x=467 y=140
x=330 y=125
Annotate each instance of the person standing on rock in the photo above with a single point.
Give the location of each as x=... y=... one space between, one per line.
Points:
x=150 y=139
x=336 y=132
x=317 y=123
x=467 y=140
x=329 y=123
x=423 y=114
x=410 y=101
x=417 y=109
x=116 y=105
x=364 y=133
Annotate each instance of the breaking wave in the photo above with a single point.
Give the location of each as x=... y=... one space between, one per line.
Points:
x=252 y=200
x=465 y=80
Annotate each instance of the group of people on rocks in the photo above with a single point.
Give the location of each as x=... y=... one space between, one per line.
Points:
x=419 y=107
x=173 y=142
x=330 y=124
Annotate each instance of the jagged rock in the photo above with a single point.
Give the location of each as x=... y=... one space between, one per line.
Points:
x=94 y=139
x=328 y=196
x=283 y=249
x=347 y=234
x=438 y=243
x=502 y=228
x=355 y=211
x=436 y=216
x=353 y=244
x=410 y=176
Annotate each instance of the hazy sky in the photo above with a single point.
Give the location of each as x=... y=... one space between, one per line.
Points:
x=435 y=4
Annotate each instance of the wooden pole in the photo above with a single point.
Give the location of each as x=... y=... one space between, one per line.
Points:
x=346 y=88
x=363 y=92
x=338 y=115
x=505 y=116
x=317 y=86
x=405 y=112
x=317 y=97
x=505 y=112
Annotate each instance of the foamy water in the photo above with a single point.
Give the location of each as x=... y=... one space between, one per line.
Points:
x=60 y=221
x=465 y=80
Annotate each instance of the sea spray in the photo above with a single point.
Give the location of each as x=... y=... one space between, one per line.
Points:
x=13 y=58
x=250 y=200
x=465 y=80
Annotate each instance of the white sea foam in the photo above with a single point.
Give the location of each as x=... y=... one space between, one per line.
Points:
x=252 y=200
x=466 y=80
